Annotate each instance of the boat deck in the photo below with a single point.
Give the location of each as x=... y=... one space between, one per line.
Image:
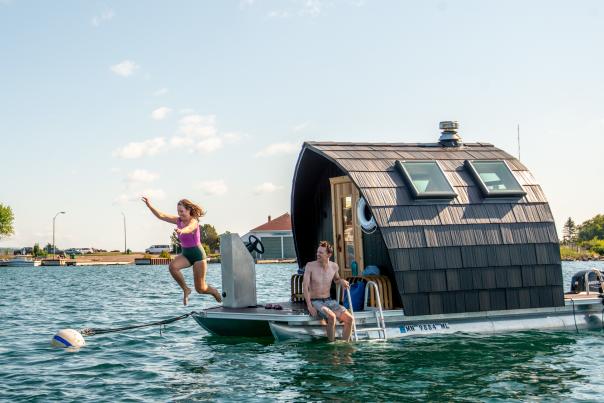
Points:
x=289 y=308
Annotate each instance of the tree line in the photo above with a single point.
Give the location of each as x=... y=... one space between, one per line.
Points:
x=588 y=235
x=209 y=236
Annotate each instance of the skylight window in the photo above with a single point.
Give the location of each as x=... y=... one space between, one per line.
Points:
x=495 y=178
x=426 y=179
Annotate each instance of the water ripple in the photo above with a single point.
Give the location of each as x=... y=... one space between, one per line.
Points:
x=185 y=363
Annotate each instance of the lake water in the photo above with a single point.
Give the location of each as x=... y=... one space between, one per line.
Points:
x=186 y=363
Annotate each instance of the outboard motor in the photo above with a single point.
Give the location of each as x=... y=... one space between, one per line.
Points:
x=587 y=281
x=238 y=271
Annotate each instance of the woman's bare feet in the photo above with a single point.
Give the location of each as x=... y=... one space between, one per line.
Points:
x=185 y=299
x=216 y=294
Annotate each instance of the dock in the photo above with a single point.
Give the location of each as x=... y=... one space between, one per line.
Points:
x=147 y=261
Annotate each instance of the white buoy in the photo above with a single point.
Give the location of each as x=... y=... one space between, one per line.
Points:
x=68 y=338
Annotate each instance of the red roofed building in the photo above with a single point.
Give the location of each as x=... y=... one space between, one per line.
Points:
x=276 y=236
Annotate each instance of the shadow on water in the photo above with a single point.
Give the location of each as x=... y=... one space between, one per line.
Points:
x=461 y=367
x=212 y=340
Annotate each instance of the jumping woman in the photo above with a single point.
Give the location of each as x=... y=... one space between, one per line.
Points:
x=187 y=228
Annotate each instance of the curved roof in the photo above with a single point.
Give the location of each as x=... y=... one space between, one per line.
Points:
x=447 y=236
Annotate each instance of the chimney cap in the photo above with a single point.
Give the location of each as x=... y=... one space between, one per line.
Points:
x=449 y=125
x=449 y=136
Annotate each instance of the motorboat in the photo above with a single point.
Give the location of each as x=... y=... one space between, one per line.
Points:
x=20 y=261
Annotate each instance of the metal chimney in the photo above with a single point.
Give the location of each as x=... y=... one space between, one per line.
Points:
x=449 y=136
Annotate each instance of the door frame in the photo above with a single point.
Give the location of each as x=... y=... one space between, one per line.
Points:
x=336 y=215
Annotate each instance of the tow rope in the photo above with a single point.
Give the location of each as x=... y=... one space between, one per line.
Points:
x=89 y=331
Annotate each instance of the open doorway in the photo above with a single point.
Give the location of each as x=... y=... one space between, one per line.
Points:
x=347 y=235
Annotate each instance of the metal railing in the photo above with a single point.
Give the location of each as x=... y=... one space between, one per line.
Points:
x=379 y=314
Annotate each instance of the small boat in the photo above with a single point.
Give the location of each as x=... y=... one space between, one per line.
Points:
x=20 y=261
x=461 y=235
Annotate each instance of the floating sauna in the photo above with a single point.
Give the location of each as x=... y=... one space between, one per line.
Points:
x=460 y=227
x=461 y=233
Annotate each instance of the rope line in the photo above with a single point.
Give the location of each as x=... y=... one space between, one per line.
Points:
x=574 y=315
x=93 y=331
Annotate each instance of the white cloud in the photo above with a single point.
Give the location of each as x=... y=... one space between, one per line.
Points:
x=301 y=126
x=246 y=3
x=266 y=187
x=157 y=194
x=124 y=68
x=208 y=145
x=161 y=113
x=178 y=141
x=140 y=149
x=160 y=92
x=196 y=133
x=197 y=125
x=122 y=199
x=277 y=149
x=233 y=137
x=213 y=188
x=106 y=15
x=278 y=14
x=312 y=8
x=186 y=111
x=141 y=176
x=153 y=194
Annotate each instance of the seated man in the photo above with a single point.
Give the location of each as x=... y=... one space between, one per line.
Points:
x=316 y=285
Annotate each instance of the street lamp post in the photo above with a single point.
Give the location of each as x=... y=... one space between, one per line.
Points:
x=53 y=231
x=125 y=247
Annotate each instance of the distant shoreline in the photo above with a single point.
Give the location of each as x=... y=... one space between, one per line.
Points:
x=124 y=258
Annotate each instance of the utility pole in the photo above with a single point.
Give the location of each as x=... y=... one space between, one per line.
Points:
x=53 y=232
x=125 y=246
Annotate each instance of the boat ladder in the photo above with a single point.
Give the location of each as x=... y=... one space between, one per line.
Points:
x=379 y=315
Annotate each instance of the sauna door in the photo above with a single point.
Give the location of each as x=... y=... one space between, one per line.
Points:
x=348 y=243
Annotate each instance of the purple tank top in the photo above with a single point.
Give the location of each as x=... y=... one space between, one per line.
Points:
x=188 y=240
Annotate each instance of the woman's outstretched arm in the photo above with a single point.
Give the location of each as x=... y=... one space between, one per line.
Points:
x=162 y=216
x=189 y=228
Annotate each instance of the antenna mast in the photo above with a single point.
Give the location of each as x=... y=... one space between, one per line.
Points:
x=518 y=131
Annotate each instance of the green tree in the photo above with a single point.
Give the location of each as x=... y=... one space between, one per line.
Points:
x=6 y=221
x=592 y=228
x=210 y=237
x=569 y=231
x=175 y=242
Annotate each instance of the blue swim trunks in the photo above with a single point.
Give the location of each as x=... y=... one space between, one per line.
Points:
x=332 y=304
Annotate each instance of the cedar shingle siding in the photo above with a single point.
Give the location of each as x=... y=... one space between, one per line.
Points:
x=461 y=255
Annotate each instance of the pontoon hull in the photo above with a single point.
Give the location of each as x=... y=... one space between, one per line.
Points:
x=492 y=322
x=294 y=323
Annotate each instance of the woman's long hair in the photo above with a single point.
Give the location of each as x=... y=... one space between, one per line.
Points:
x=195 y=210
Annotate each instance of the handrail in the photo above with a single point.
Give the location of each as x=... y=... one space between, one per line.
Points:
x=354 y=325
x=380 y=318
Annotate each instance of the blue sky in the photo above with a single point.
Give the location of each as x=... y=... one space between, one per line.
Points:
x=102 y=101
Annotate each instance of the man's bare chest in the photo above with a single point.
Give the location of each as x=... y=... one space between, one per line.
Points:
x=323 y=275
